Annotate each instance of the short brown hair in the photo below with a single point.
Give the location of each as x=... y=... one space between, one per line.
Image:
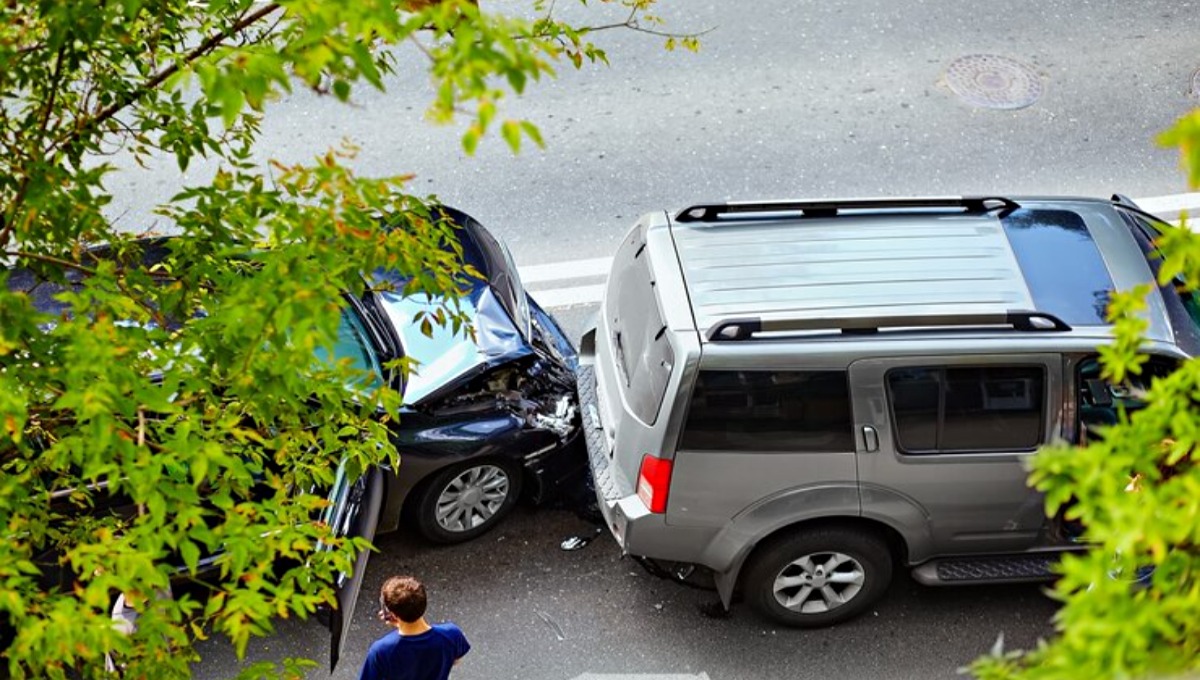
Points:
x=404 y=596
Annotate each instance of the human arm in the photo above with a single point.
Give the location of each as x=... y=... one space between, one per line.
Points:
x=461 y=646
x=370 y=669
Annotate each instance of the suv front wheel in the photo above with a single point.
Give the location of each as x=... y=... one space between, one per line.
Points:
x=819 y=577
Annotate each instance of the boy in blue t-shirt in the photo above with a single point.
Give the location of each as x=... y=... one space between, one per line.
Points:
x=416 y=650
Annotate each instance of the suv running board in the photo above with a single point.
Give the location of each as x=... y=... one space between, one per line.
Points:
x=998 y=569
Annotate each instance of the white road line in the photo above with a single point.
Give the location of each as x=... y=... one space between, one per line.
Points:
x=1167 y=205
x=575 y=269
x=567 y=296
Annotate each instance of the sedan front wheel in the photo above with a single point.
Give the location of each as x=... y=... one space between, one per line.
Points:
x=464 y=501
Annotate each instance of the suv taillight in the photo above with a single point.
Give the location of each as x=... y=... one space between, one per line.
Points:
x=654 y=478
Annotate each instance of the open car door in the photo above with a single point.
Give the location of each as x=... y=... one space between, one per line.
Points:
x=354 y=510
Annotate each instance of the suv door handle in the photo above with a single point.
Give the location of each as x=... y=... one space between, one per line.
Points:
x=870 y=438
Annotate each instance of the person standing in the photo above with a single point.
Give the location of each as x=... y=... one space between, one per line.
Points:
x=415 y=650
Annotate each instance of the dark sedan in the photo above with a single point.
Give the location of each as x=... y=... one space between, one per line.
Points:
x=487 y=416
x=490 y=413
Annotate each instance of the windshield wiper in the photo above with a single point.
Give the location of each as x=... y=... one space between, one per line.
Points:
x=380 y=325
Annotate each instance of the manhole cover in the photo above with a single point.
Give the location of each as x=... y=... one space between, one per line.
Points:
x=993 y=82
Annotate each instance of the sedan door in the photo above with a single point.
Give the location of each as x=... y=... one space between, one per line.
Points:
x=353 y=513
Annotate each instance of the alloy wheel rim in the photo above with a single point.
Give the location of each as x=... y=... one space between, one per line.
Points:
x=472 y=498
x=818 y=582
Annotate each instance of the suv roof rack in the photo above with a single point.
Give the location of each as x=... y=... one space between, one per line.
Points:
x=1021 y=320
x=1122 y=199
x=711 y=212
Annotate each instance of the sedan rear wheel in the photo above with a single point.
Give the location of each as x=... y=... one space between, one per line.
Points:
x=463 y=502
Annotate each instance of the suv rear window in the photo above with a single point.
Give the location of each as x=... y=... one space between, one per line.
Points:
x=967 y=409
x=639 y=338
x=770 y=411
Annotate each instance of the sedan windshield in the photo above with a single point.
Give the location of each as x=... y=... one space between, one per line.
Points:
x=353 y=344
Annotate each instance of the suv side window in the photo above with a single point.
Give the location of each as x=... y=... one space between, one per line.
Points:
x=963 y=409
x=1101 y=402
x=792 y=411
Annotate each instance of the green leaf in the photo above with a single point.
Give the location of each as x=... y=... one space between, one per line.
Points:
x=470 y=139
x=365 y=62
x=190 y=554
x=533 y=133
x=516 y=80
x=199 y=469
x=510 y=130
x=341 y=90
x=230 y=100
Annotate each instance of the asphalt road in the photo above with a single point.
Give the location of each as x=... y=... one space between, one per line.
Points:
x=535 y=612
x=786 y=99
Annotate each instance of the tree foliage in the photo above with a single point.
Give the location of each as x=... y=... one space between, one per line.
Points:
x=1137 y=492
x=190 y=388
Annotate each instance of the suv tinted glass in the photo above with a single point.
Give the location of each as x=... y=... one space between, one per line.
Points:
x=770 y=411
x=1043 y=240
x=967 y=409
x=1183 y=304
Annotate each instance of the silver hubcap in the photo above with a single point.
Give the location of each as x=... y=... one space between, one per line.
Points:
x=819 y=582
x=472 y=498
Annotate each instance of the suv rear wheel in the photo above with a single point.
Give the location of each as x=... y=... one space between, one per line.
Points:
x=819 y=577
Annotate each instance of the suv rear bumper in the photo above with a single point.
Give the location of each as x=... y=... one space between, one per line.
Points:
x=637 y=530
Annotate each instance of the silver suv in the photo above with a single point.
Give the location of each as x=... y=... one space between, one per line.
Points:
x=805 y=396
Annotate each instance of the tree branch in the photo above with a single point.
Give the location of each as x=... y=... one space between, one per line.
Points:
x=212 y=42
x=50 y=259
x=9 y=219
x=67 y=264
x=630 y=23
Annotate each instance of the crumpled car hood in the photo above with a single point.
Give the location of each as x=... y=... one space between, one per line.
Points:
x=446 y=359
x=508 y=324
